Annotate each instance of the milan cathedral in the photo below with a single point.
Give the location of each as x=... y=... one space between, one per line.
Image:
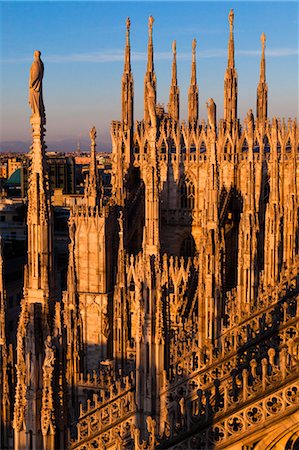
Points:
x=179 y=327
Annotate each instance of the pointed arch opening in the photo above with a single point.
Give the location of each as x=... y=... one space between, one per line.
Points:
x=187 y=193
x=187 y=249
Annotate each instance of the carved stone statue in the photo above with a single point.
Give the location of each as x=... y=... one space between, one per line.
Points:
x=128 y=23
x=231 y=18
x=150 y=23
x=93 y=134
x=250 y=121
x=36 y=86
x=49 y=352
x=211 y=106
x=174 y=47
x=151 y=426
x=151 y=103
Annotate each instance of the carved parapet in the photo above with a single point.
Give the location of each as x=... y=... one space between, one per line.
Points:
x=112 y=412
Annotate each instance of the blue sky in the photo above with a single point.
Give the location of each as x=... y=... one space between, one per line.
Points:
x=82 y=47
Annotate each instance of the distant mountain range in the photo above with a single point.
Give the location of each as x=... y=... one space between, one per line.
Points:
x=64 y=145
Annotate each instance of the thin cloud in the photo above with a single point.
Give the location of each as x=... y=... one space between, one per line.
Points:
x=117 y=55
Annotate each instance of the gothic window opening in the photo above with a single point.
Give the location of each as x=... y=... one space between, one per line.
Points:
x=172 y=147
x=288 y=146
x=256 y=147
x=245 y=146
x=163 y=147
x=227 y=147
x=136 y=148
x=187 y=193
x=193 y=148
x=188 y=247
x=202 y=148
x=266 y=145
x=145 y=147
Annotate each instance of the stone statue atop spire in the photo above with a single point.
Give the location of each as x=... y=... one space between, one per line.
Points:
x=36 y=86
x=128 y=24
x=193 y=49
x=150 y=24
x=36 y=313
x=174 y=47
x=231 y=20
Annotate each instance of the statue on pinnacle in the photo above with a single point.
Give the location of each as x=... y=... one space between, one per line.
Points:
x=36 y=86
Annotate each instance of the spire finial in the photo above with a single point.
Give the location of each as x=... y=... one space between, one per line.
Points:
x=263 y=40
x=263 y=62
x=174 y=69
x=127 y=49
x=173 y=105
x=193 y=49
x=150 y=25
x=128 y=24
x=231 y=49
x=193 y=89
x=93 y=161
x=150 y=56
x=92 y=186
x=262 y=89
x=174 y=48
x=193 y=65
x=231 y=21
x=93 y=135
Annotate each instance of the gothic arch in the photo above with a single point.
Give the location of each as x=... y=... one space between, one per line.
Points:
x=286 y=435
x=187 y=193
x=188 y=247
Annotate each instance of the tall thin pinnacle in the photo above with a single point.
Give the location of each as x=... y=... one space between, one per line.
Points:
x=193 y=64
x=193 y=88
x=127 y=82
x=174 y=93
x=92 y=186
x=262 y=89
x=263 y=61
x=127 y=67
x=150 y=53
x=93 y=160
x=174 y=80
x=231 y=45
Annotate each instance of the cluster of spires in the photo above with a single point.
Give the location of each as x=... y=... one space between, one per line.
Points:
x=38 y=280
x=230 y=81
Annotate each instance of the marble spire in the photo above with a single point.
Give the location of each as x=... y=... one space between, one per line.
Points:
x=127 y=83
x=174 y=94
x=193 y=89
x=262 y=89
x=230 y=78
x=150 y=76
